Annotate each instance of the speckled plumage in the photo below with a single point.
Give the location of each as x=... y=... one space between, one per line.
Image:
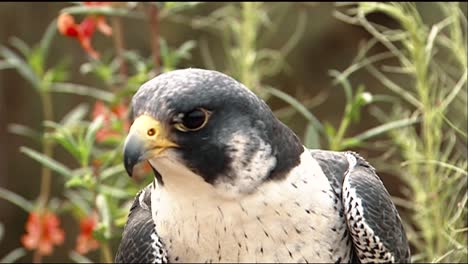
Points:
x=243 y=189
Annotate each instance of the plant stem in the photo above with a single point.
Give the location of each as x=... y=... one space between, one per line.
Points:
x=119 y=45
x=46 y=174
x=47 y=149
x=37 y=257
x=247 y=36
x=106 y=252
x=337 y=141
x=154 y=33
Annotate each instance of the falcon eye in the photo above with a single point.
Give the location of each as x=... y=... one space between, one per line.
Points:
x=151 y=132
x=193 y=121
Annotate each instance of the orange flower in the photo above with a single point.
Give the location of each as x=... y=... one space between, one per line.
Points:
x=83 y=31
x=43 y=232
x=117 y=112
x=85 y=241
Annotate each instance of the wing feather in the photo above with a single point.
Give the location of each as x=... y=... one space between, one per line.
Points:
x=372 y=219
x=140 y=242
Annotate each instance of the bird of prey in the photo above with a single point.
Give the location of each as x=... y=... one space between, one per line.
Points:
x=234 y=184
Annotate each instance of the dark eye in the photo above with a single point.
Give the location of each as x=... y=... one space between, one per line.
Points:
x=193 y=120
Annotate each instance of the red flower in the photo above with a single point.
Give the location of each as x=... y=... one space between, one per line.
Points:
x=115 y=113
x=85 y=241
x=96 y=3
x=83 y=31
x=43 y=232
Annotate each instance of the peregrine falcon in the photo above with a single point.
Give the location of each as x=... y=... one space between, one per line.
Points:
x=234 y=184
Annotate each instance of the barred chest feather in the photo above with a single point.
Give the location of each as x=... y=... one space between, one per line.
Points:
x=296 y=219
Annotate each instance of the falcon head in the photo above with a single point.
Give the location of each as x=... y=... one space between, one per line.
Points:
x=202 y=123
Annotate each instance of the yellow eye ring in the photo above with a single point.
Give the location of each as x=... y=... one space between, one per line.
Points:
x=193 y=120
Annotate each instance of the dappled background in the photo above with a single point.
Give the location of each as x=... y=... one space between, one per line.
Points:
x=387 y=81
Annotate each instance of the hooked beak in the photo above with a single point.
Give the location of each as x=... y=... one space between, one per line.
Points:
x=146 y=139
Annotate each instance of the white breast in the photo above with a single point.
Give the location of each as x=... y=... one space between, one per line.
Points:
x=289 y=220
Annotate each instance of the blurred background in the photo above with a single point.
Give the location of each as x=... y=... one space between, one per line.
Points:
x=309 y=61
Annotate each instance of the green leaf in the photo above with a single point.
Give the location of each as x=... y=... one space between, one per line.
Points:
x=112 y=171
x=78 y=258
x=184 y=50
x=75 y=115
x=13 y=255
x=83 y=179
x=114 y=192
x=66 y=140
x=4 y=65
x=36 y=62
x=297 y=105
x=350 y=142
x=104 y=10
x=330 y=131
x=25 y=131
x=20 y=45
x=120 y=222
x=82 y=90
x=16 y=199
x=53 y=75
x=76 y=181
x=91 y=132
x=21 y=66
x=344 y=82
x=383 y=129
x=100 y=231
x=47 y=161
x=172 y=7
x=462 y=171
x=78 y=199
x=47 y=38
x=103 y=209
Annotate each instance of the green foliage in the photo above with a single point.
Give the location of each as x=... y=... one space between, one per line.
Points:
x=433 y=148
x=171 y=58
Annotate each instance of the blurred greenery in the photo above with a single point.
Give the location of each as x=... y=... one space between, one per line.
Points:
x=399 y=99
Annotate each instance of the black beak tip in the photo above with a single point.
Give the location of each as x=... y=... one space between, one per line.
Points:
x=133 y=150
x=129 y=171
